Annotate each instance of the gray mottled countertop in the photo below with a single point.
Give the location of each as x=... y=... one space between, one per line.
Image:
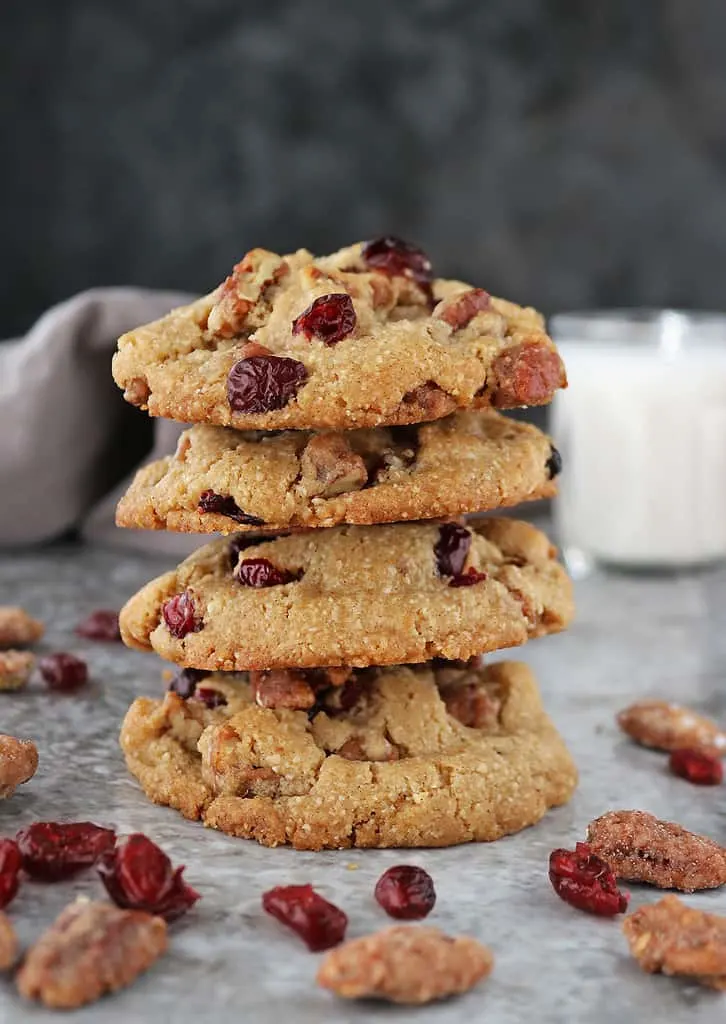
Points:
x=229 y=962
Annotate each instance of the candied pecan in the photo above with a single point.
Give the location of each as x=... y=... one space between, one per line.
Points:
x=374 y=749
x=671 y=938
x=526 y=374
x=137 y=392
x=242 y=290
x=432 y=399
x=8 y=943
x=460 y=310
x=282 y=688
x=666 y=726
x=91 y=949
x=18 y=763
x=473 y=705
x=15 y=669
x=639 y=847
x=17 y=628
x=405 y=964
x=329 y=466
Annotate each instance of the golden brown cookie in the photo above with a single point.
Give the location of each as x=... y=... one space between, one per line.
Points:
x=361 y=338
x=396 y=767
x=354 y=595
x=221 y=481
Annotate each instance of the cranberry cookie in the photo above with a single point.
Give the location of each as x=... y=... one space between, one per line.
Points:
x=362 y=338
x=428 y=755
x=221 y=481
x=354 y=595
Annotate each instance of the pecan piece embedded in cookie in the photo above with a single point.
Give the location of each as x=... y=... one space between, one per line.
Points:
x=671 y=938
x=282 y=688
x=17 y=628
x=405 y=965
x=18 y=763
x=15 y=669
x=639 y=847
x=329 y=466
x=666 y=726
x=235 y=308
x=91 y=949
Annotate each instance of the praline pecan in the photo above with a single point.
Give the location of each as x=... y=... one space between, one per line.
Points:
x=18 y=763
x=666 y=726
x=282 y=688
x=475 y=705
x=17 y=628
x=460 y=310
x=639 y=847
x=91 y=949
x=432 y=399
x=15 y=669
x=241 y=292
x=414 y=964
x=527 y=374
x=670 y=938
x=8 y=943
x=329 y=466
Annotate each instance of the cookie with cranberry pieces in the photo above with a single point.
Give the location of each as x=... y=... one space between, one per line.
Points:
x=364 y=337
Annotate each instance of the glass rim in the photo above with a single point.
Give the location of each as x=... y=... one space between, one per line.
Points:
x=666 y=327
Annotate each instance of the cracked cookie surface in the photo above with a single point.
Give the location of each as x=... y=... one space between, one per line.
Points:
x=354 y=595
x=409 y=348
x=398 y=768
x=222 y=481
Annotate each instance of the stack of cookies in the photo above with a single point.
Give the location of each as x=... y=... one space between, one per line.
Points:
x=330 y=689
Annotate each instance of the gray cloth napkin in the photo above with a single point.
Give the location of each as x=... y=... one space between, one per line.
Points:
x=68 y=441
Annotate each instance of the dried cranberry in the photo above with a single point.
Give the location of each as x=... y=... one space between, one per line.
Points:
x=264 y=383
x=585 y=881
x=53 y=850
x=63 y=671
x=185 y=682
x=180 y=615
x=468 y=578
x=100 y=625
x=10 y=865
x=225 y=505
x=451 y=548
x=260 y=572
x=318 y=923
x=553 y=465
x=393 y=256
x=698 y=766
x=330 y=318
x=139 y=876
x=406 y=892
x=209 y=697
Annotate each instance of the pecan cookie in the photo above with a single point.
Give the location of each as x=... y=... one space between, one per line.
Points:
x=220 y=481
x=361 y=338
x=354 y=595
x=417 y=756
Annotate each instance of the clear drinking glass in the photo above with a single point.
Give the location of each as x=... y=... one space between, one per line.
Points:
x=642 y=431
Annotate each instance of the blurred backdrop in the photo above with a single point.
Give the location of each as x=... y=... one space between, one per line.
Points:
x=564 y=153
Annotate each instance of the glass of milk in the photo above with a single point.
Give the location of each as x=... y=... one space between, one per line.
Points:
x=642 y=432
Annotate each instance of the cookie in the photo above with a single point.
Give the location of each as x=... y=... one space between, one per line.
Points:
x=353 y=595
x=221 y=481
x=395 y=768
x=362 y=338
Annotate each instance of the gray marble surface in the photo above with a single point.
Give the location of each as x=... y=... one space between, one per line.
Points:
x=229 y=962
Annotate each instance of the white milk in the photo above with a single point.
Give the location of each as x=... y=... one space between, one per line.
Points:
x=642 y=433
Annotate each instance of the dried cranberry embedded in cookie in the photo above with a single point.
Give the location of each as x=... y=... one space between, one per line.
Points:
x=180 y=615
x=264 y=383
x=468 y=578
x=697 y=766
x=210 y=697
x=330 y=318
x=260 y=572
x=63 y=671
x=406 y=892
x=54 y=850
x=225 y=505
x=184 y=683
x=139 y=876
x=451 y=549
x=582 y=879
x=393 y=256
x=319 y=924
x=100 y=625
x=553 y=465
x=10 y=864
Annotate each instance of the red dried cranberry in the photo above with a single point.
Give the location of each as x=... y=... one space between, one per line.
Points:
x=468 y=578
x=180 y=615
x=209 y=697
x=264 y=383
x=698 y=766
x=553 y=465
x=139 y=876
x=318 y=923
x=583 y=880
x=330 y=318
x=451 y=548
x=185 y=682
x=260 y=572
x=63 y=671
x=406 y=892
x=100 y=625
x=10 y=865
x=393 y=256
x=225 y=505
x=53 y=850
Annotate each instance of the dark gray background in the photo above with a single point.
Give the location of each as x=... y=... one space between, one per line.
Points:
x=562 y=153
